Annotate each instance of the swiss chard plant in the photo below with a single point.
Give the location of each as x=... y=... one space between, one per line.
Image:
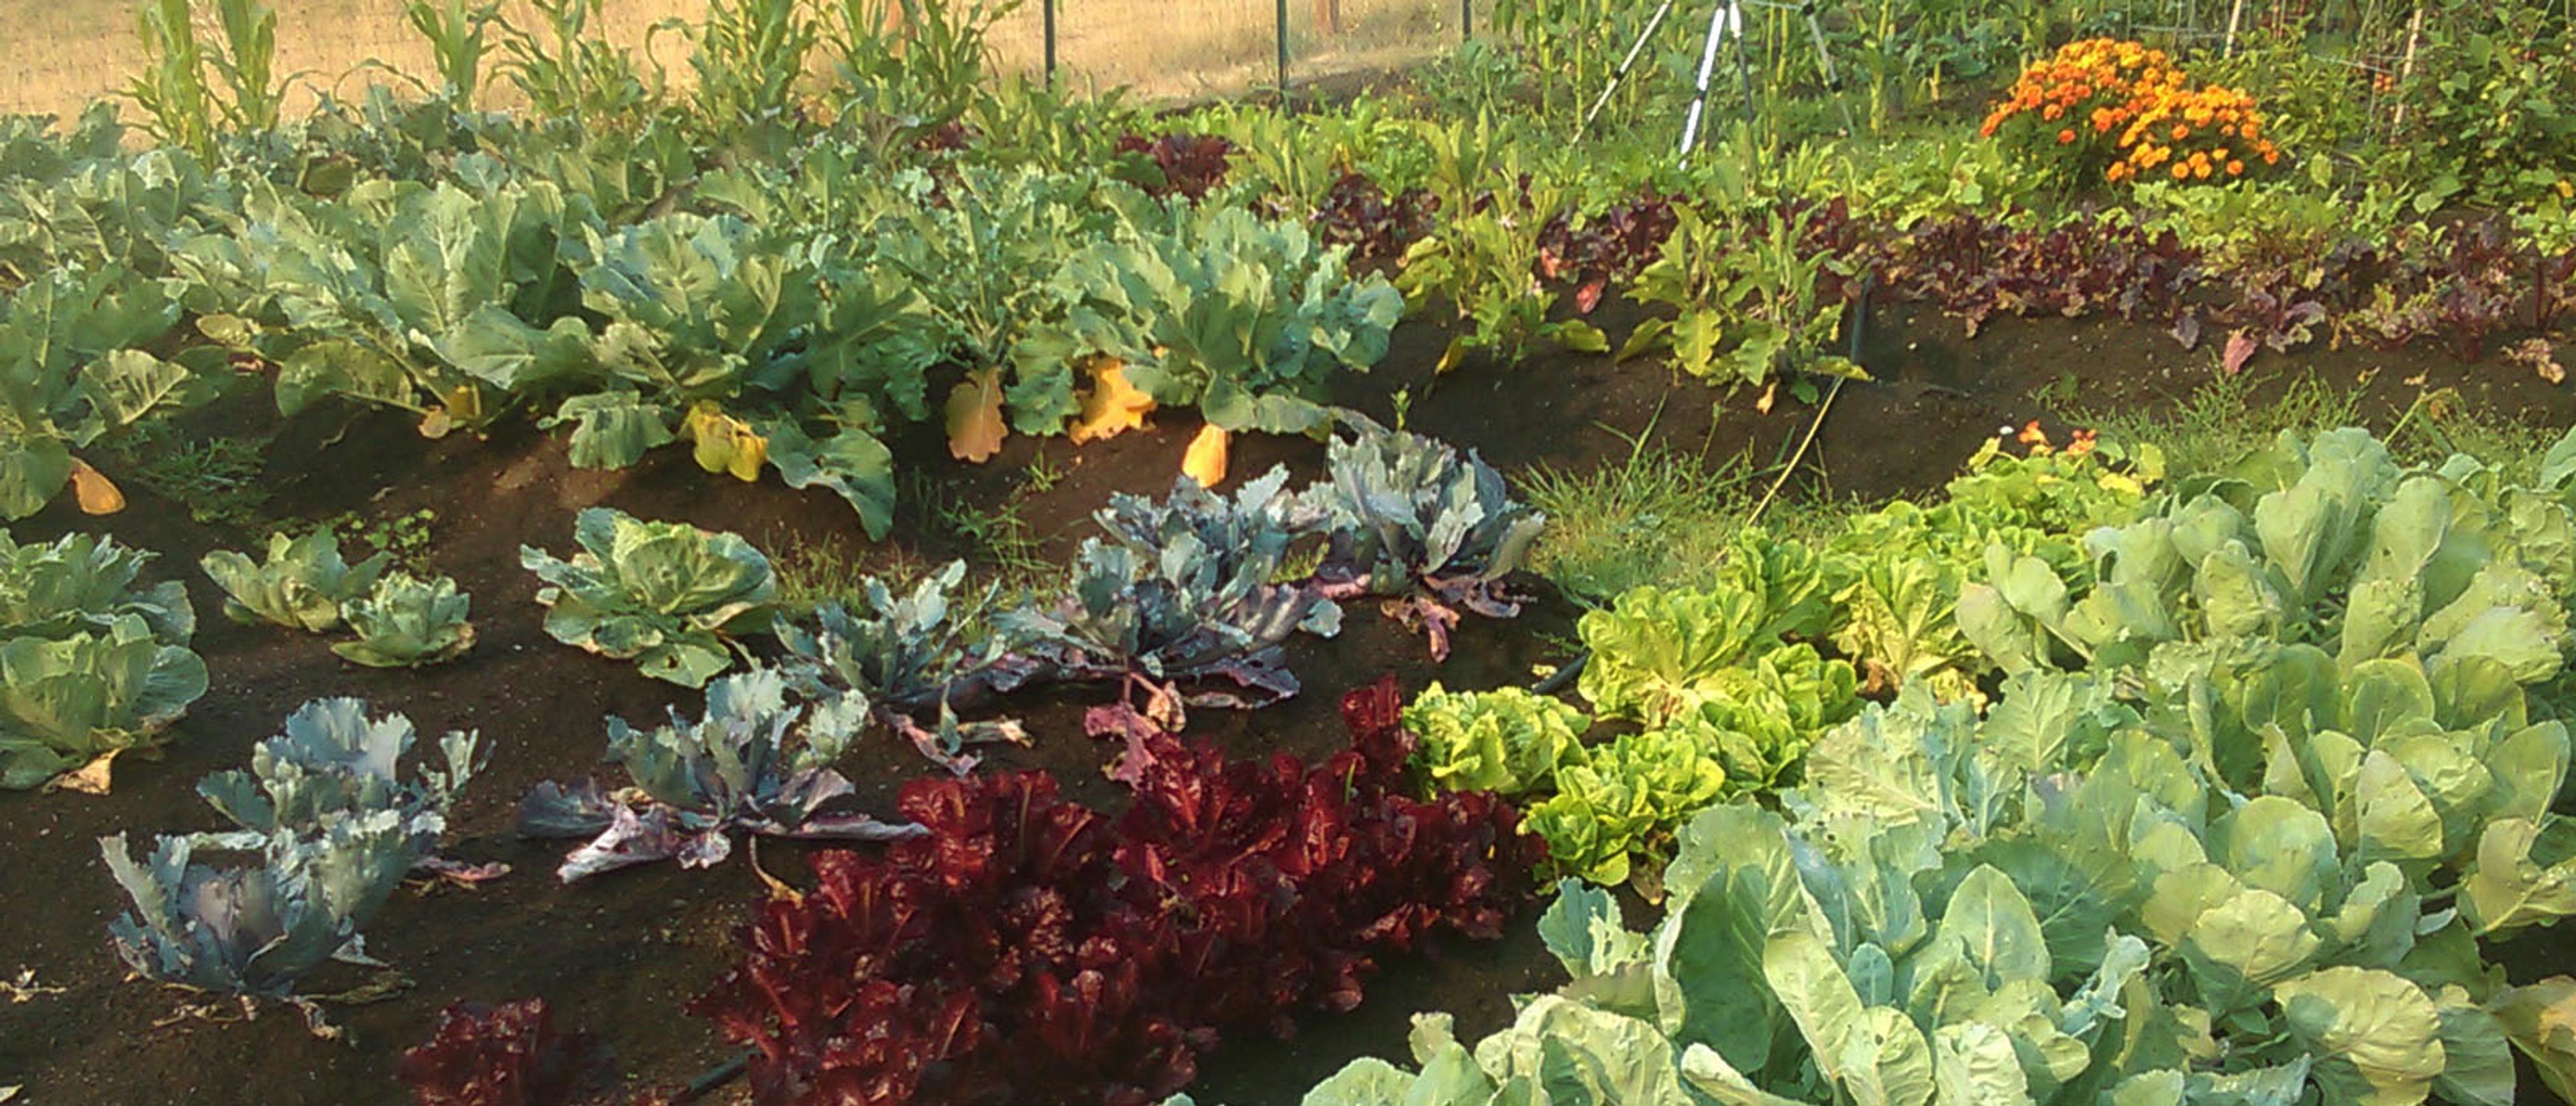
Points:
x=1184 y=591
x=303 y=583
x=85 y=582
x=758 y=760
x=255 y=931
x=78 y=702
x=1030 y=949
x=903 y=656
x=1212 y=308
x=665 y=595
x=406 y=623
x=1748 y=305
x=1412 y=520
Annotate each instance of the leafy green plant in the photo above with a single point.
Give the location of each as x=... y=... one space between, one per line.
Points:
x=79 y=701
x=405 y=622
x=1507 y=741
x=914 y=64
x=663 y=594
x=2496 y=108
x=459 y=36
x=758 y=760
x=302 y=583
x=749 y=56
x=903 y=655
x=1484 y=259
x=1242 y=318
x=1747 y=305
x=334 y=765
x=254 y=932
x=1409 y=518
x=187 y=108
x=1658 y=653
x=1621 y=804
x=71 y=370
x=85 y=582
x=571 y=71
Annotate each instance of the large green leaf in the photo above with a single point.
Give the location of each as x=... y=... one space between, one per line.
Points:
x=2376 y=1038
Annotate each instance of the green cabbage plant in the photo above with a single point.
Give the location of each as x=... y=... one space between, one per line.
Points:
x=663 y=594
x=406 y=623
x=302 y=584
x=88 y=697
x=85 y=582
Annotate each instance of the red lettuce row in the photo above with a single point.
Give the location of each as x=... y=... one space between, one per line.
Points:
x=512 y=1055
x=1031 y=950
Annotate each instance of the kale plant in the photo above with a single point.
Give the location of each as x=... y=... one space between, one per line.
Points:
x=663 y=594
x=905 y=655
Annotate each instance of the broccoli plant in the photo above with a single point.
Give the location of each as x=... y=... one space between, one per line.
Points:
x=905 y=655
x=1413 y=521
x=407 y=622
x=78 y=702
x=663 y=594
x=80 y=582
x=756 y=761
x=1184 y=592
x=332 y=764
x=303 y=584
x=253 y=932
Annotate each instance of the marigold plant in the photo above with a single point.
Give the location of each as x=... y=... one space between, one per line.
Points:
x=2114 y=111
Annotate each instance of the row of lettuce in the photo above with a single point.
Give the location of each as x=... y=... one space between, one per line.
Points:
x=2271 y=760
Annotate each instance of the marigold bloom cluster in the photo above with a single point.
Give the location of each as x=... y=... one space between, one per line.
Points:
x=2125 y=111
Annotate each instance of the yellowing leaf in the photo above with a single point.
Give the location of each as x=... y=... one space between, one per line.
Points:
x=88 y=779
x=725 y=444
x=96 y=493
x=1762 y=406
x=975 y=426
x=1112 y=406
x=436 y=424
x=1205 y=459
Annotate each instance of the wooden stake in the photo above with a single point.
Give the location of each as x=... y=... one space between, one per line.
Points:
x=2235 y=16
x=2406 y=69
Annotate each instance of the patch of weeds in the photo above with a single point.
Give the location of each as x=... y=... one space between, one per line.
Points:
x=404 y=539
x=217 y=478
x=811 y=573
x=2222 y=420
x=1648 y=520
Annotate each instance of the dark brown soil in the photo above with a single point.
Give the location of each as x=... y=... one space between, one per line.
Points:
x=621 y=953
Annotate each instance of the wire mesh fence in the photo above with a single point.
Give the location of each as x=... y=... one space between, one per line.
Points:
x=63 y=54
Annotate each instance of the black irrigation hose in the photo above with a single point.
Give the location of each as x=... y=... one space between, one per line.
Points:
x=1556 y=681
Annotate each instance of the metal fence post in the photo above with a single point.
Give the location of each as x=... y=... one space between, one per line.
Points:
x=1466 y=20
x=1047 y=9
x=1283 y=47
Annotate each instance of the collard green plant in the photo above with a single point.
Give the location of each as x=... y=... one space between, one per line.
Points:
x=88 y=697
x=1507 y=741
x=85 y=582
x=302 y=584
x=253 y=932
x=1410 y=518
x=663 y=594
x=758 y=760
x=905 y=655
x=1183 y=592
x=406 y=623
x=1242 y=318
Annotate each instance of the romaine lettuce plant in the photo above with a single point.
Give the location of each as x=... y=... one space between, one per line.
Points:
x=406 y=623
x=901 y=656
x=1033 y=950
x=84 y=699
x=1413 y=520
x=756 y=761
x=508 y=1055
x=1507 y=741
x=253 y=932
x=303 y=583
x=1183 y=592
x=663 y=594
x=85 y=582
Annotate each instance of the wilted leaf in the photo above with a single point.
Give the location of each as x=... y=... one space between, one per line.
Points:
x=96 y=494
x=1112 y=406
x=1204 y=461
x=975 y=426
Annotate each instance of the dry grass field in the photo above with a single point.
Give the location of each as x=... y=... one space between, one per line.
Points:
x=61 y=54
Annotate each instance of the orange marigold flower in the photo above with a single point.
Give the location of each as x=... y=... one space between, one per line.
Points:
x=2271 y=157
x=2065 y=136
x=2181 y=132
x=2235 y=168
x=2052 y=112
x=2181 y=170
x=2201 y=170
